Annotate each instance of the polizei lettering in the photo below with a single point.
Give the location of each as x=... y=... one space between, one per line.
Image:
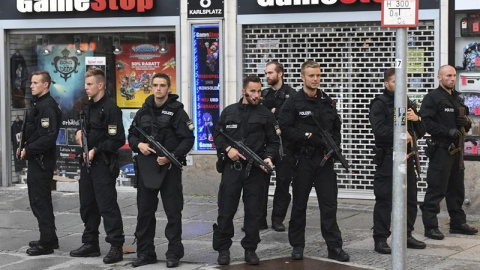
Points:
x=280 y=3
x=29 y=6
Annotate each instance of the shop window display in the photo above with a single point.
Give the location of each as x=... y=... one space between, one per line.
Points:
x=128 y=59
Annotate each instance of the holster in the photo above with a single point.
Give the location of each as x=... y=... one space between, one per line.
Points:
x=136 y=171
x=431 y=148
x=379 y=156
x=221 y=162
x=111 y=160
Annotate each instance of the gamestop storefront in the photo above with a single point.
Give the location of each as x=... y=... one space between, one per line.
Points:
x=129 y=39
x=346 y=38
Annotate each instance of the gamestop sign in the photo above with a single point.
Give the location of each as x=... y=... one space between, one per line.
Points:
x=37 y=6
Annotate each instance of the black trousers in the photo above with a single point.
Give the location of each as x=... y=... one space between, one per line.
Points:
x=382 y=187
x=147 y=203
x=445 y=180
x=308 y=173
x=98 y=199
x=281 y=197
x=231 y=186
x=40 y=196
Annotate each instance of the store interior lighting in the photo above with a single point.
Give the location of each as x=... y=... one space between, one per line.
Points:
x=163 y=44
x=117 y=47
x=45 y=45
x=77 y=42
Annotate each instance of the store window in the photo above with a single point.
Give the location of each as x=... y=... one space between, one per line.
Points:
x=129 y=59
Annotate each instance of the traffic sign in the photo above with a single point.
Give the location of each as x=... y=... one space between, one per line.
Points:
x=400 y=13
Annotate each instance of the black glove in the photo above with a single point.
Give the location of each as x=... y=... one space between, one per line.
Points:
x=316 y=141
x=454 y=133
x=461 y=121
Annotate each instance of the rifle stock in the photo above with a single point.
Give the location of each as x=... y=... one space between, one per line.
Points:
x=247 y=152
x=86 y=160
x=160 y=149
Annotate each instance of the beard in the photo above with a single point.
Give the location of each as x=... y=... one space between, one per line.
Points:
x=272 y=81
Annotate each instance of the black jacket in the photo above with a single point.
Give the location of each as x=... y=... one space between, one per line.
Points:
x=296 y=119
x=170 y=124
x=381 y=118
x=275 y=99
x=254 y=125
x=439 y=111
x=43 y=124
x=104 y=125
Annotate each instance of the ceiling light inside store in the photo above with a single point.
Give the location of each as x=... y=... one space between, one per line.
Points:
x=78 y=51
x=45 y=45
x=163 y=44
x=117 y=48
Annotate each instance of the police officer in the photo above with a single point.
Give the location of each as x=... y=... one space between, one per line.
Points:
x=381 y=119
x=300 y=130
x=254 y=125
x=164 y=118
x=40 y=150
x=98 y=196
x=441 y=113
x=273 y=98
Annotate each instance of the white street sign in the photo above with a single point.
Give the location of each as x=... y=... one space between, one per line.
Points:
x=400 y=13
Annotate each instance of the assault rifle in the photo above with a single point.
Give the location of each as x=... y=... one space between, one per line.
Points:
x=247 y=152
x=83 y=128
x=461 y=139
x=159 y=149
x=333 y=147
x=414 y=148
x=21 y=141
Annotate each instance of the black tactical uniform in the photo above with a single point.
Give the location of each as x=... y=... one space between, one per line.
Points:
x=444 y=177
x=382 y=119
x=255 y=126
x=283 y=173
x=40 y=137
x=98 y=195
x=296 y=119
x=172 y=128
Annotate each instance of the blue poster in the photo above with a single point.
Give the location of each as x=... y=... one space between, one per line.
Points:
x=206 y=87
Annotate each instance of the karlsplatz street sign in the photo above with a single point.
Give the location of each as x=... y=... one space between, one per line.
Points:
x=400 y=13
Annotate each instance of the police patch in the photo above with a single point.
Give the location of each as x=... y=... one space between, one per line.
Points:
x=112 y=130
x=232 y=126
x=45 y=122
x=190 y=125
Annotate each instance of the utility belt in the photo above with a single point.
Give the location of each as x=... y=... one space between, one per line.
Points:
x=433 y=145
x=310 y=151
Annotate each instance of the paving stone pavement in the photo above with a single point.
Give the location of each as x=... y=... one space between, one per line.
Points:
x=18 y=226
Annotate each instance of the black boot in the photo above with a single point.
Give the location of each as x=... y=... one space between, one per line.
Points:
x=86 y=250
x=463 y=229
x=338 y=254
x=172 y=262
x=144 y=259
x=382 y=247
x=434 y=233
x=39 y=250
x=414 y=243
x=297 y=253
x=278 y=226
x=223 y=257
x=114 y=255
x=54 y=244
x=251 y=257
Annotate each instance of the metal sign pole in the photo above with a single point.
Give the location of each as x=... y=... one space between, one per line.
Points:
x=399 y=195
x=400 y=14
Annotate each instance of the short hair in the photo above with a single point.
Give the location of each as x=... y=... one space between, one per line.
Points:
x=309 y=64
x=249 y=79
x=45 y=76
x=388 y=73
x=278 y=66
x=97 y=73
x=162 y=76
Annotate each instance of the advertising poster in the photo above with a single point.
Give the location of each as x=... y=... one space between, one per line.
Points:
x=67 y=70
x=135 y=67
x=125 y=153
x=206 y=88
